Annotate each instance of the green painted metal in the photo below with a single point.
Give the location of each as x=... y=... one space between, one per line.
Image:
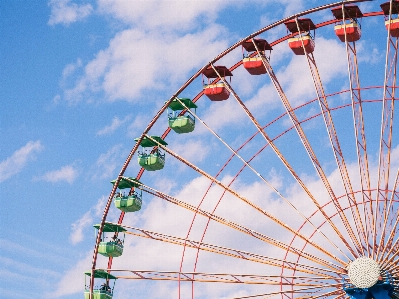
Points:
x=175 y=105
x=110 y=249
x=147 y=142
x=110 y=227
x=182 y=124
x=151 y=162
x=130 y=203
x=98 y=294
x=103 y=292
x=101 y=274
x=127 y=182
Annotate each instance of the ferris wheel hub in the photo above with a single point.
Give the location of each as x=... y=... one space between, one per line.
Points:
x=364 y=272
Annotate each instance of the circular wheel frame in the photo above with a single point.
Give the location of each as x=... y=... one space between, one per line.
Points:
x=279 y=188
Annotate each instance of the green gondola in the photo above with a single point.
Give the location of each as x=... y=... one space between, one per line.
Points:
x=154 y=159
x=181 y=123
x=133 y=201
x=102 y=292
x=111 y=246
x=129 y=203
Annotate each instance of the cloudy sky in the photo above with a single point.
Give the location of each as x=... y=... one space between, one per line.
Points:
x=80 y=79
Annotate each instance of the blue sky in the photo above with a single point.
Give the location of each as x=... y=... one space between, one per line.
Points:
x=81 y=79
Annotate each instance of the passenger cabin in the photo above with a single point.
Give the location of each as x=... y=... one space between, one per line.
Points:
x=216 y=91
x=177 y=121
x=304 y=42
x=131 y=202
x=392 y=24
x=153 y=159
x=348 y=22
x=253 y=56
x=102 y=288
x=111 y=246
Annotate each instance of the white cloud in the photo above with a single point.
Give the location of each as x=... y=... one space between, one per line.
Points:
x=160 y=216
x=78 y=227
x=136 y=62
x=85 y=221
x=369 y=53
x=18 y=160
x=67 y=173
x=116 y=123
x=106 y=163
x=70 y=68
x=117 y=72
x=68 y=71
x=136 y=127
x=71 y=282
x=164 y=15
x=296 y=78
x=66 y=12
x=194 y=150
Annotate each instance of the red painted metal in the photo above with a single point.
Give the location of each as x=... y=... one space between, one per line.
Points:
x=363 y=227
x=295 y=43
x=209 y=72
x=391 y=61
x=199 y=95
x=386 y=7
x=216 y=92
x=261 y=43
x=353 y=32
x=391 y=24
x=351 y=12
x=394 y=27
x=336 y=148
x=305 y=25
x=254 y=65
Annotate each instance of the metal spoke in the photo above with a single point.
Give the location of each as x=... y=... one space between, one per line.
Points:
x=339 y=158
x=272 y=280
x=294 y=291
x=285 y=162
x=245 y=230
x=360 y=136
x=259 y=209
x=264 y=180
x=391 y=60
x=235 y=253
x=298 y=264
x=392 y=233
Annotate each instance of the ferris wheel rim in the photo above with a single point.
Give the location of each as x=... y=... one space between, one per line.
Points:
x=156 y=117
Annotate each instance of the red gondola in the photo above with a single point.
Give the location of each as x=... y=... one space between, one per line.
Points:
x=216 y=91
x=295 y=44
x=353 y=32
x=392 y=24
x=394 y=30
x=349 y=23
x=304 y=42
x=254 y=64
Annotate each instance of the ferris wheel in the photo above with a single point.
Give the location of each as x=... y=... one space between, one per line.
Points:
x=274 y=177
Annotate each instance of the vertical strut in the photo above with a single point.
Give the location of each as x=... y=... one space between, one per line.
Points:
x=325 y=110
x=295 y=121
x=263 y=179
x=386 y=127
x=288 y=166
x=358 y=122
x=388 y=247
x=390 y=230
x=253 y=205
